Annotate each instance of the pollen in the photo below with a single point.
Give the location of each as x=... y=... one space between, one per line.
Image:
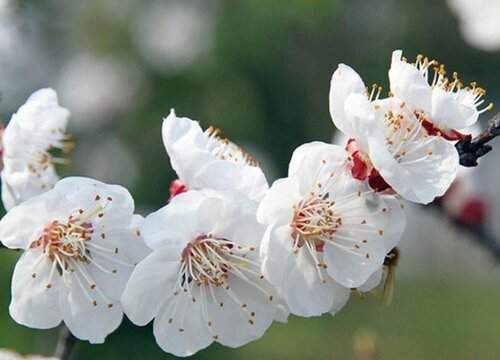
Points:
x=224 y=149
x=314 y=221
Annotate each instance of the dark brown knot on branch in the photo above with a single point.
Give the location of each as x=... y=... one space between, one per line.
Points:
x=471 y=149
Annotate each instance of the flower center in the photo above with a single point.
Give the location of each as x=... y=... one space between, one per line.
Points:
x=63 y=241
x=224 y=149
x=314 y=222
x=207 y=261
x=51 y=152
x=69 y=242
x=406 y=136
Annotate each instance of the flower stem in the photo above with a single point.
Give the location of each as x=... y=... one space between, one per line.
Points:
x=478 y=235
x=65 y=343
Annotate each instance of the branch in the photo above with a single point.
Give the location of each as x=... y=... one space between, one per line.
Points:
x=470 y=150
x=479 y=235
x=65 y=343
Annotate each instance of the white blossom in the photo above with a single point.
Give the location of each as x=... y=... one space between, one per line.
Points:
x=28 y=166
x=478 y=22
x=202 y=159
x=389 y=142
x=173 y=35
x=202 y=283
x=99 y=88
x=6 y=354
x=436 y=100
x=326 y=232
x=80 y=242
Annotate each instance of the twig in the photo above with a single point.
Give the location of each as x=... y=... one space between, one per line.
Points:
x=65 y=343
x=470 y=150
x=479 y=235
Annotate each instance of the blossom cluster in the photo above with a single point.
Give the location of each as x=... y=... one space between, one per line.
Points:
x=228 y=254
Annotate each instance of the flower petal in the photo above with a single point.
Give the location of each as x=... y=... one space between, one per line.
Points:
x=277 y=204
x=24 y=223
x=87 y=320
x=345 y=81
x=178 y=135
x=373 y=281
x=150 y=283
x=275 y=248
x=35 y=292
x=448 y=112
x=245 y=314
x=180 y=328
x=304 y=292
x=434 y=167
x=180 y=218
x=357 y=249
x=341 y=295
x=408 y=83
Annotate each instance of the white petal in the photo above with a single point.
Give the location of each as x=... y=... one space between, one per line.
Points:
x=34 y=304
x=237 y=219
x=362 y=118
x=112 y=281
x=227 y=175
x=277 y=204
x=372 y=282
x=396 y=224
x=182 y=136
x=116 y=202
x=41 y=117
x=421 y=181
x=180 y=329
x=351 y=266
x=275 y=249
x=24 y=223
x=304 y=292
x=450 y=113
x=341 y=295
x=85 y=320
x=188 y=216
x=409 y=84
x=9 y=198
x=345 y=81
x=233 y=322
x=151 y=282
x=316 y=161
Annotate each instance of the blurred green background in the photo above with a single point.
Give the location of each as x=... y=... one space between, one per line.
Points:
x=260 y=71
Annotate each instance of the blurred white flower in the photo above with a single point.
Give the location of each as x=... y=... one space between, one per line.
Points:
x=107 y=158
x=81 y=243
x=202 y=283
x=172 y=35
x=28 y=166
x=21 y=54
x=326 y=232
x=479 y=22
x=6 y=354
x=388 y=142
x=205 y=160
x=98 y=88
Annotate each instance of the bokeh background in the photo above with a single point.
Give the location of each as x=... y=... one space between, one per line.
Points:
x=260 y=71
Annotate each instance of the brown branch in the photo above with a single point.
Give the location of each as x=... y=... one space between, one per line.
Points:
x=470 y=150
x=65 y=343
x=479 y=234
